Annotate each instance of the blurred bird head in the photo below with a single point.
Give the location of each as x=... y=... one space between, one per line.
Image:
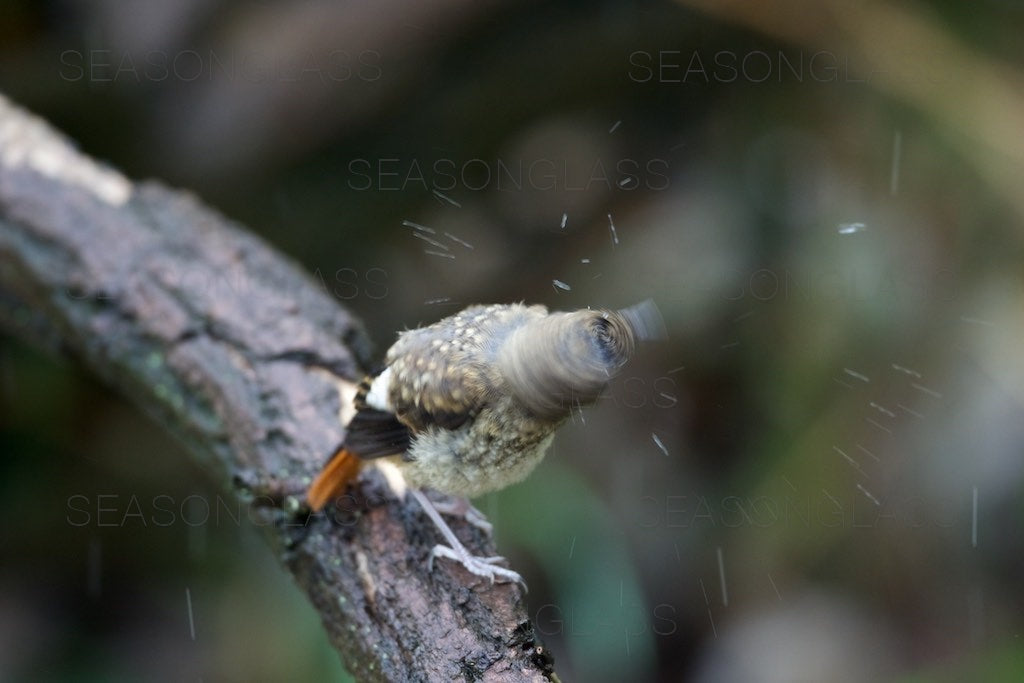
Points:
x=564 y=360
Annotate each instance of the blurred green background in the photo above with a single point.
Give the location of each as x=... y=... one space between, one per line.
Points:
x=818 y=477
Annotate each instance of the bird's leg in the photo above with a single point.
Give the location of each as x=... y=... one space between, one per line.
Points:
x=481 y=566
x=461 y=507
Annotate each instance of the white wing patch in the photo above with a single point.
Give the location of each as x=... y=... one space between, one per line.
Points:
x=379 y=390
x=347 y=395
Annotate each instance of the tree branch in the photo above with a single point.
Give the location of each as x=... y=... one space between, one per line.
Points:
x=238 y=354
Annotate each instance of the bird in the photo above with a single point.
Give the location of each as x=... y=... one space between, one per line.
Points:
x=470 y=404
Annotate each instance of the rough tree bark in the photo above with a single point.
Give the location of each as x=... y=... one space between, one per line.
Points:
x=237 y=353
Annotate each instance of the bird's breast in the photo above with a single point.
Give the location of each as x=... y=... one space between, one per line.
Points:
x=481 y=457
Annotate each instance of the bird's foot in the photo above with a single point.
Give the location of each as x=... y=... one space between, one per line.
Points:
x=454 y=550
x=481 y=566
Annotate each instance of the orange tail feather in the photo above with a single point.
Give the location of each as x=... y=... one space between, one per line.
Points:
x=336 y=474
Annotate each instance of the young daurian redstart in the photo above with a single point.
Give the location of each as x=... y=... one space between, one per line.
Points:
x=470 y=404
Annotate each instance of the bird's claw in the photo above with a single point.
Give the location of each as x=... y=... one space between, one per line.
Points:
x=481 y=566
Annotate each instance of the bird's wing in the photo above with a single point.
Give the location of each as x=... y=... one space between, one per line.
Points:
x=439 y=376
x=402 y=401
x=376 y=433
x=437 y=380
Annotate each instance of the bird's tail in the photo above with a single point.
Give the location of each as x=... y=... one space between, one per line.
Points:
x=333 y=478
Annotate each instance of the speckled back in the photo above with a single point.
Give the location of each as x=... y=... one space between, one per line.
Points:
x=444 y=373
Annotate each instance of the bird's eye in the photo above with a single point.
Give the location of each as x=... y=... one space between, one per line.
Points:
x=605 y=340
